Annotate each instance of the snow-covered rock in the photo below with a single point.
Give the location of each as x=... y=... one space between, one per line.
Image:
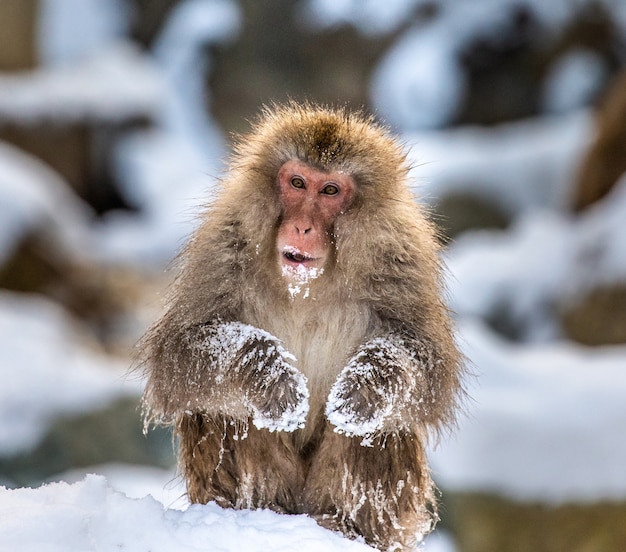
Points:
x=33 y=198
x=517 y=166
x=49 y=368
x=116 y=84
x=545 y=422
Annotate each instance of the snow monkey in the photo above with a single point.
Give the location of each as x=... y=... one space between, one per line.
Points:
x=305 y=354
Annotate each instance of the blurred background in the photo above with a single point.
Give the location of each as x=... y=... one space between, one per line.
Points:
x=115 y=118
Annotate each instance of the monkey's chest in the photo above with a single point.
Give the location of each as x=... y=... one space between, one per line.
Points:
x=322 y=347
x=321 y=334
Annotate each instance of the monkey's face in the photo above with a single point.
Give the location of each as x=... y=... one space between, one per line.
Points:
x=311 y=201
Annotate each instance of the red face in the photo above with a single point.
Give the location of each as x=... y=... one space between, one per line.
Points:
x=311 y=200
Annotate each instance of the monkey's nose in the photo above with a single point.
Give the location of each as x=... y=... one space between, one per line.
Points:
x=303 y=229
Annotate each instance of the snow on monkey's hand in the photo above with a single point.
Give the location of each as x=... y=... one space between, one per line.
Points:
x=371 y=389
x=274 y=391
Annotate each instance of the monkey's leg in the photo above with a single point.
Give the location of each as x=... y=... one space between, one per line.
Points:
x=382 y=492
x=238 y=467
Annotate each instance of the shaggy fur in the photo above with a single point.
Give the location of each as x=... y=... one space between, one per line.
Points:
x=371 y=332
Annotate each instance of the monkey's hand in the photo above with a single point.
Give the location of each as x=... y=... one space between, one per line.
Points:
x=372 y=390
x=273 y=390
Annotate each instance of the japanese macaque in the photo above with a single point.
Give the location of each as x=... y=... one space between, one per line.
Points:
x=306 y=355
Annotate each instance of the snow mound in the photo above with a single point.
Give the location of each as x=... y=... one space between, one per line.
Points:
x=90 y=515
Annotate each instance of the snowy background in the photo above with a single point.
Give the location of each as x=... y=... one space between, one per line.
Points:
x=547 y=415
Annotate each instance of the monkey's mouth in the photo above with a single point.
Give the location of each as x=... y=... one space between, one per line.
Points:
x=295 y=256
x=299 y=268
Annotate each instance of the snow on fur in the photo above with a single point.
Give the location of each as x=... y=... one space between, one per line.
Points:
x=362 y=369
x=227 y=341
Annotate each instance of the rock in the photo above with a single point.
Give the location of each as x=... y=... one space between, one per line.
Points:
x=113 y=434
x=293 y=63
x=18 y=48
x=72 y=117
x=598 y=318
x=487 y=523
x=103 y=295
x=458 y=212
x=605 y=161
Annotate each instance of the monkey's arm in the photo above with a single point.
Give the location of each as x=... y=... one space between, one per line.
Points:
x=228 y=368
x=391 y=382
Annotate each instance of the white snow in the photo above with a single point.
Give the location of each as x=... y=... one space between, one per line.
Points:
x=113 y=85
x=90 y=515
x=546 y=422
x=363 y=369
x=370 y=16
x=492 y=271
x=69 y=31
x=49 y=368
x=299 y=277
x=140 y=508
x=546 y=417
x=419 y=83
x=546 y=258
x=341 y=414
x=222 y=344
x=573 y=81
x=165 y=485
x=167 y=181
x=92 y=74
x=169 y=171
x=193 y=26
x=228 y=341
x=516 y=166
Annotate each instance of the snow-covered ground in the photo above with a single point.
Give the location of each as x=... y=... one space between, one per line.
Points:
x=139 y=508
x=545 y=419
x=91 y=515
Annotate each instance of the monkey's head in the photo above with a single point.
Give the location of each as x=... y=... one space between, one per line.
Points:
x=310 y=175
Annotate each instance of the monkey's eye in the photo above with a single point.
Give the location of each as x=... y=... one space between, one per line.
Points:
x=297 y=182
x=330 y=189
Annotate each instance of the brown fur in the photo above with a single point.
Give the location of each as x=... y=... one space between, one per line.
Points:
x=384 y=280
